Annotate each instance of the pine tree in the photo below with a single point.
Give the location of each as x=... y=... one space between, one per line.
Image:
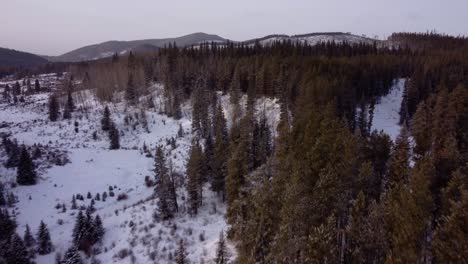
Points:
x=53 y=108
x=13 y=152
x=165 y=190
x=17 y=89
x=37 y=86
x=26 y=172
x=222 y=254
x=7 y=225
x=421 y=129
x=44 y=243
x=17 y=252
x=398 y=170
x=99 y=229
x=72 y=256
x=78 y=229
x=181 y=254
x=355 y=230
x=221 y=144
x=29 y=240
x=130 y=92
x=73 y=203
x=195 y=172
x=2 y=195
x=114 y=137
x=106 y=120
x=450 y=237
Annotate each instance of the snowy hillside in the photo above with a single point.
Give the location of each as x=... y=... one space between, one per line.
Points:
x=87 y=166
x=387 y=110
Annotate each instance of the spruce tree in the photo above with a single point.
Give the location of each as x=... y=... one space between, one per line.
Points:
x=194 y=177
x=17 y=89
x=398 y=170
x=106 y=120
x=165 y=190
x=114 y=137
x=219 y=162
x=222 y=254
x=72 y=256
x=26 y=172
x=17 y=252
x=37 y=86
x=44 y=243
x=2 y=195
x=130 y=92
x=7 y=225
x=53 y=108
x=98 y=228
x=181 y=254
x=29 y=240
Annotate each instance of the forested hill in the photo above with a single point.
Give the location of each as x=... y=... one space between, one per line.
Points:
x=273 y=145
x=9 y=57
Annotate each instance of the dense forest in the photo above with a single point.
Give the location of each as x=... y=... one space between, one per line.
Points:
x=321 y=187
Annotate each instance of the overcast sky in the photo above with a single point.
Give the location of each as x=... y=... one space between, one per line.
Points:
x=53 y=27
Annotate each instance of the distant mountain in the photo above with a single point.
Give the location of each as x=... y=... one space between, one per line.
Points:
x=109 y=48
x=10 y=57
x=316 y=38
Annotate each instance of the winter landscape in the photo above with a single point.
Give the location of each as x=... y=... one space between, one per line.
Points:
x=270 y=143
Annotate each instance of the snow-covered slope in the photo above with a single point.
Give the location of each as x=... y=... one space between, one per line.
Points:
x=387 y=110
x=93 y=168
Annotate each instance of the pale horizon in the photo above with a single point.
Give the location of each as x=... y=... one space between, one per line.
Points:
x=54 y=27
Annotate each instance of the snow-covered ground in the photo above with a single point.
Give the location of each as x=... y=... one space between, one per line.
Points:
x=93 y=168
x=386 y=112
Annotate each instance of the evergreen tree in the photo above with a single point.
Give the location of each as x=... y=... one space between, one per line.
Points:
x=181 y=254
x=195 y=172
x=53 y=108
x=26 y=172
x=450 y=237
x=2 y=195
x=165 y=189
x=7 y=225
x=114 y=137
x=17 y=89
x=398 y=170
x=13 y=152
x=106 y=120
x=72 y=256
x=37 y=86
x=222 y=254
x=17 y=252
x=130 y=92
x=99 y=229
x=78 y=229
x=44 y=243
x=29 y=240
x=221 y=144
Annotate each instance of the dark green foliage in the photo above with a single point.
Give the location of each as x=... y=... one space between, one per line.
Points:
x=195 y=173
x=219 y=161
x=26 y=171
x=106 y=119
x=7 y=225
x=87 y=231
x=17 y=252
x=165 y=186
x=53 y=108
x=37 y=86
x=44 y=243
x=114 y=137
x=72 y=256
x=222 y=254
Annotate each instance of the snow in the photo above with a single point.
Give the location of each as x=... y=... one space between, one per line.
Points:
x=386 y=112
x=93 y=168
